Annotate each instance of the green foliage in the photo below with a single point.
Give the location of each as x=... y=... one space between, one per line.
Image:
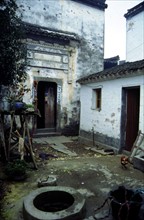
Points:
x=12 y=49
x=16 y=168
x=29 y=106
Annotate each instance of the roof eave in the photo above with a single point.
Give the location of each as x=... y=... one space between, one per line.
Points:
x=94 y=3
x=34 y=30
x=135 y=10
x=107 y=77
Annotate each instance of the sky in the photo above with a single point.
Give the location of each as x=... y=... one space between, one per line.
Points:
x=115 y=27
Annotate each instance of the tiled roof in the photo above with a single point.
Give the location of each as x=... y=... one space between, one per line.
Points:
x=135 y=10
x=94 y=3
x=35 y=30
x=120 y=71
x=112 y=59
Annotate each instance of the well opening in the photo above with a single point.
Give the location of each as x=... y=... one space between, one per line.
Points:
x=53 y=201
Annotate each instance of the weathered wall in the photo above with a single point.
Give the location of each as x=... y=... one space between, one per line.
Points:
x=106 y=123
x=71 y=17
x=66 y=63
x=53 y=64
x=135 y=37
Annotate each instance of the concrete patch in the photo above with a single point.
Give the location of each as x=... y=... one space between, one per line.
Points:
x=105 y=190
x=104 y=214
x=86 y=192
x=106 y=172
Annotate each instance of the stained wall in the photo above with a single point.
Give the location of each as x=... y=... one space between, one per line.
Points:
x=67 y=62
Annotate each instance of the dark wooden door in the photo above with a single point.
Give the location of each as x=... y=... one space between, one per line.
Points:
x=49 y=106
x=46 y=94
x=132 y=116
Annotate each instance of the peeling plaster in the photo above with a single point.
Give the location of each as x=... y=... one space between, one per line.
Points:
x=68 y=62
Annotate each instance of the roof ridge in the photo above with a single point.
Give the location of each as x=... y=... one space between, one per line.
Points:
x=135 y=10
x=94 y=3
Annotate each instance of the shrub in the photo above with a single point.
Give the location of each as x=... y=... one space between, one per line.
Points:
x=17 y=168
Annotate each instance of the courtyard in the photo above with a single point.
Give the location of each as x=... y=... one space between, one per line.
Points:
x=74 y=165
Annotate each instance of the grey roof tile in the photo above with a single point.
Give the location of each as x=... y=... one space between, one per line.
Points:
x=135 y=10
x=120 y=71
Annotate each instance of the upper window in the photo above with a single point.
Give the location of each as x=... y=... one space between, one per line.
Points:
x=97 y=99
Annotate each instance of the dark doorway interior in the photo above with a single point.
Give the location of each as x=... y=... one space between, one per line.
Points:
x=132 y=116
x=46 y=94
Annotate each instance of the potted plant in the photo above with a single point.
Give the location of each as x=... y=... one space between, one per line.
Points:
x=16 y=170
x=14 y=96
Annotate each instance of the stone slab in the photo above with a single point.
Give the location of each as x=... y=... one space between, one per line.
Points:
x=61 y=148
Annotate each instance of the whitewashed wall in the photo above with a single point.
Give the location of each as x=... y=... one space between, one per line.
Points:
x=135 y=37
x=107 y=122
x=81 y=58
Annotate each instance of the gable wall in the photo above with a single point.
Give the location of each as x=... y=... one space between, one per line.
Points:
x=135 y=37
x=107 y=122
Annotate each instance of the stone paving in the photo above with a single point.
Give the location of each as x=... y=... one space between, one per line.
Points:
x=56 y=143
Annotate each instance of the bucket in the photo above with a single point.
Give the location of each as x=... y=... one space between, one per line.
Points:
x=17 y=105
x=125 y=204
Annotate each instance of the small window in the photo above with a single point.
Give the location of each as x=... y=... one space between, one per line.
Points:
x=96 y=99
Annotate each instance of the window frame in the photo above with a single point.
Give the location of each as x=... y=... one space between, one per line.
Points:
x=97 y=98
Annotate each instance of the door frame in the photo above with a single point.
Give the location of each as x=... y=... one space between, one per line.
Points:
x=42 y=122
x=124 y=114
x=58 y=101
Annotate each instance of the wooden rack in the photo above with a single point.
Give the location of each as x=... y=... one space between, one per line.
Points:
x=18 y=139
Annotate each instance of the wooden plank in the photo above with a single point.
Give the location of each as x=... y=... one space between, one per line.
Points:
x=15 y=134
x=10 y=134
x=136 y=145
x=3 y=136
x=29 y=141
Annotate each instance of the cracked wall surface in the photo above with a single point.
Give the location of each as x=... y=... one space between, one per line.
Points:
x=64 y=61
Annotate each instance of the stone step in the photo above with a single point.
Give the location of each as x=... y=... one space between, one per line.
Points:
x=46 y=134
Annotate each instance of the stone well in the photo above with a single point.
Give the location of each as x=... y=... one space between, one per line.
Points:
x=54 y=203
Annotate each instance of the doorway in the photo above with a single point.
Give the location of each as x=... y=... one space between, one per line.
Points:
x=131 y=103
x=47 y=96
